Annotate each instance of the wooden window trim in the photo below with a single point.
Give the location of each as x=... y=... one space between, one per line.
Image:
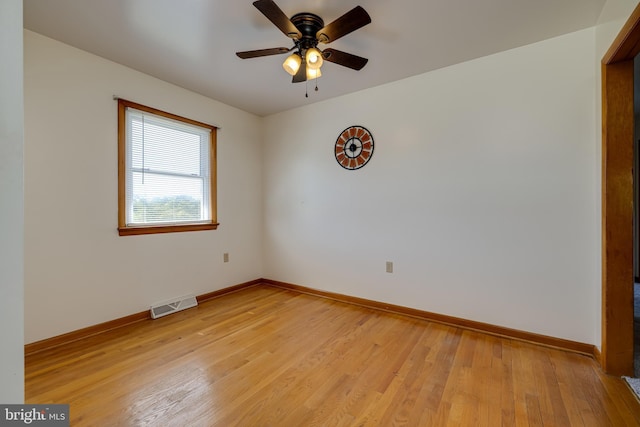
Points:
x=123 y=229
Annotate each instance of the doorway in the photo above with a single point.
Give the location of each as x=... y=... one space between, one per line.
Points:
x=617 y=199
x=636 y=216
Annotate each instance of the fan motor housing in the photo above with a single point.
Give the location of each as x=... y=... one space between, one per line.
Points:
x=308 y=24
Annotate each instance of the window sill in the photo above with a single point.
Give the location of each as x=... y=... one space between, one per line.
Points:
x=132 y=231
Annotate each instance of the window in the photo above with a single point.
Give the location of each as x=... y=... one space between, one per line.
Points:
x=166 y=172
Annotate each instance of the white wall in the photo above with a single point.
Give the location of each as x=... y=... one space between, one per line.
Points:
x=79 y=272
x=481 y=190
x=11 y=200
x=613 y=16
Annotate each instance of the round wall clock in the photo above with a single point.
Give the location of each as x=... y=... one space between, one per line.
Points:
x=354 y=147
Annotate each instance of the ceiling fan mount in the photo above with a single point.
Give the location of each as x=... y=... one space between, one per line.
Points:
x=308 y=30
x=308 y=24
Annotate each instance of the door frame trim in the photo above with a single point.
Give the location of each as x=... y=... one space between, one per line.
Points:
x=617 y=199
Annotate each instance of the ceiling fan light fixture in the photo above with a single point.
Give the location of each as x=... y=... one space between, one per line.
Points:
x=314 y=58
x=307 y=30
x=292 y=64
x=313 y=74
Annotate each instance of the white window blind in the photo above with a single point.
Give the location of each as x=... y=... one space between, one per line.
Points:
x=168 y=170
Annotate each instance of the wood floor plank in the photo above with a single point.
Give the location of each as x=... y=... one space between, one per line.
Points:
x=266 y=356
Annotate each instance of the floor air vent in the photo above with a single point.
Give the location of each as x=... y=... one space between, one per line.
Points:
x=162 y=309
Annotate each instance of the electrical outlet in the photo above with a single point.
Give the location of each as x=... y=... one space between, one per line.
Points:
x=389 y=267
x=225 y=257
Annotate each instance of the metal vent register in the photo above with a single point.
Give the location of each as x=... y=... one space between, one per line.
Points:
x=168 y=307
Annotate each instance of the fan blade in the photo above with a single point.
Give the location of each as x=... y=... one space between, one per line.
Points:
x=277 y=16
x=347 y=23
x=301 y=75
x=345 y=59
x=262 y=52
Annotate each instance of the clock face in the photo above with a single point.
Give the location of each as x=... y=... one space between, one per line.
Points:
x=354 y=147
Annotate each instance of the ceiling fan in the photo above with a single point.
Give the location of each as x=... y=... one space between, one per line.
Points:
x=307 y=30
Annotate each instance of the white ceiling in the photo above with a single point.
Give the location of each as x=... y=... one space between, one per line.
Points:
x=192 y=43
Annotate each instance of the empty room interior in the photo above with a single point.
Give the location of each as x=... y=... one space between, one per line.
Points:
x=436 y=229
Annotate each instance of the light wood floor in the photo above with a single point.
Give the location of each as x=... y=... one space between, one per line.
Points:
x=265 y=356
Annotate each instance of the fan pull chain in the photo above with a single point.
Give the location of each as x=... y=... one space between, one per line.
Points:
x=306 y=89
